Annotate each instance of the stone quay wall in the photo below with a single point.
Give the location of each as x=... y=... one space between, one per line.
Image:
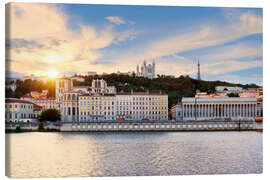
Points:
x=162 y=126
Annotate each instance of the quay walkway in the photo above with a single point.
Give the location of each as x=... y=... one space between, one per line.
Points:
x=162 y=126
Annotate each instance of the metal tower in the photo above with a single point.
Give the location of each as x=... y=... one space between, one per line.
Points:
x=198 y=74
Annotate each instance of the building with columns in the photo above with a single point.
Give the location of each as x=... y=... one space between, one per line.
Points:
x=233 y=108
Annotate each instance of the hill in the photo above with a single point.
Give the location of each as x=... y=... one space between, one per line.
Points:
x=175 y=87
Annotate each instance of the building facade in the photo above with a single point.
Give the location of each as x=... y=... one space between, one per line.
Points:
x=99 y=86
x=148 y=71
x=17 y=110
x=101 y=102
x=232 y=108
x=228 y=89
x=177 y=112
x=124 y=106
x=96 y=107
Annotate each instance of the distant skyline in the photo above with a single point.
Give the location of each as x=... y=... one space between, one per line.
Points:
x=110 y=38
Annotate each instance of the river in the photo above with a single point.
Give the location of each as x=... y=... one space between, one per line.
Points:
x=78 y=154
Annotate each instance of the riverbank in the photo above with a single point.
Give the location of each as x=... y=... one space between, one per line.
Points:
x=143 y=127
x=163 y=126
x=29 y=130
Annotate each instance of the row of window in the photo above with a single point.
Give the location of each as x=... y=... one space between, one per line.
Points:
x=19 y=115
x=124 y=99
x=120 y=108
x=112 y=118
x=120 y=112
x=23 y=106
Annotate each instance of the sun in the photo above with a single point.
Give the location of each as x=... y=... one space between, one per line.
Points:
x=52 y=73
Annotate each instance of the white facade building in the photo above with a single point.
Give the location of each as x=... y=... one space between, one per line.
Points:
x=228 y=89
x=232 y=108
x=99 y=86
x=125 y=106
x=147 y=71
x=142 y=106
x=17 y=110
x=100 y=102
x=177 y=112
x=96 y=107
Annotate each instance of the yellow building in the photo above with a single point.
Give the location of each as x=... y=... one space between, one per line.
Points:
x=96 y=107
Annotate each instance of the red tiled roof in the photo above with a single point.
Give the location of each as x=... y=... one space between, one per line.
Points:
x=17 y=101
x=36 y=107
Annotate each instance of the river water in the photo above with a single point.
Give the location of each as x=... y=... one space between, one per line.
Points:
x=77 y=154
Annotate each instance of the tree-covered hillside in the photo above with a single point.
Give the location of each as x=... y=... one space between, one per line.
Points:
x=175 y=87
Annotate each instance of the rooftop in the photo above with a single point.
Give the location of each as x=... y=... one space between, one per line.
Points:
x=13 y=100
x=217 y=99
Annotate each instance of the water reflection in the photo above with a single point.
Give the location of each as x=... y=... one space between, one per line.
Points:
x=132 y=154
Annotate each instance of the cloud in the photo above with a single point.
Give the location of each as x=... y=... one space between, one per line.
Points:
x=199 y=37
x=229 y=66
x=38 y=43
x=47 y=39
x=207 y=35
x=131 y=22
x=115 y=19
x=235 y=51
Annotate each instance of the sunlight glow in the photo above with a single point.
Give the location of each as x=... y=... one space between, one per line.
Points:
x=52 y=73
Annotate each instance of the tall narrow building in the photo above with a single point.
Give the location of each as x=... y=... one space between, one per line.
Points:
x=198 y=74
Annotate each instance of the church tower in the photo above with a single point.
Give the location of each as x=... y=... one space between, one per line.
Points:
x=198 y=74
x=138 y=70
x=154 y=69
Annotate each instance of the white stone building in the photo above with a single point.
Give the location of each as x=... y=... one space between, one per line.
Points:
x=147 y=71
x=17 y=110
x=100 y=102
x=99 y=86
x=124 y=106
x=93 y=107
x=232 y=108
x=142 y=106
x=228 y=89
x=177 y=112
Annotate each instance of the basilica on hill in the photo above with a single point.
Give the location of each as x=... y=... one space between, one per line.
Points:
x=147 y=71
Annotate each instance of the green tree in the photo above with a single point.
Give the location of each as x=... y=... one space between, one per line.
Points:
x=233 y=95
x=9 y=93
x=50 y=115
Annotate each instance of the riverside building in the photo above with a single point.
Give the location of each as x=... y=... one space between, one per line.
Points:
x=177 y=112
x=96 y=107
x=17 y=110
x=102 y=102
x=233 y=108
x=142 y=106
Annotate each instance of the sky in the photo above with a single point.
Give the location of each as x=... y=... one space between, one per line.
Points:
x=109 y=38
